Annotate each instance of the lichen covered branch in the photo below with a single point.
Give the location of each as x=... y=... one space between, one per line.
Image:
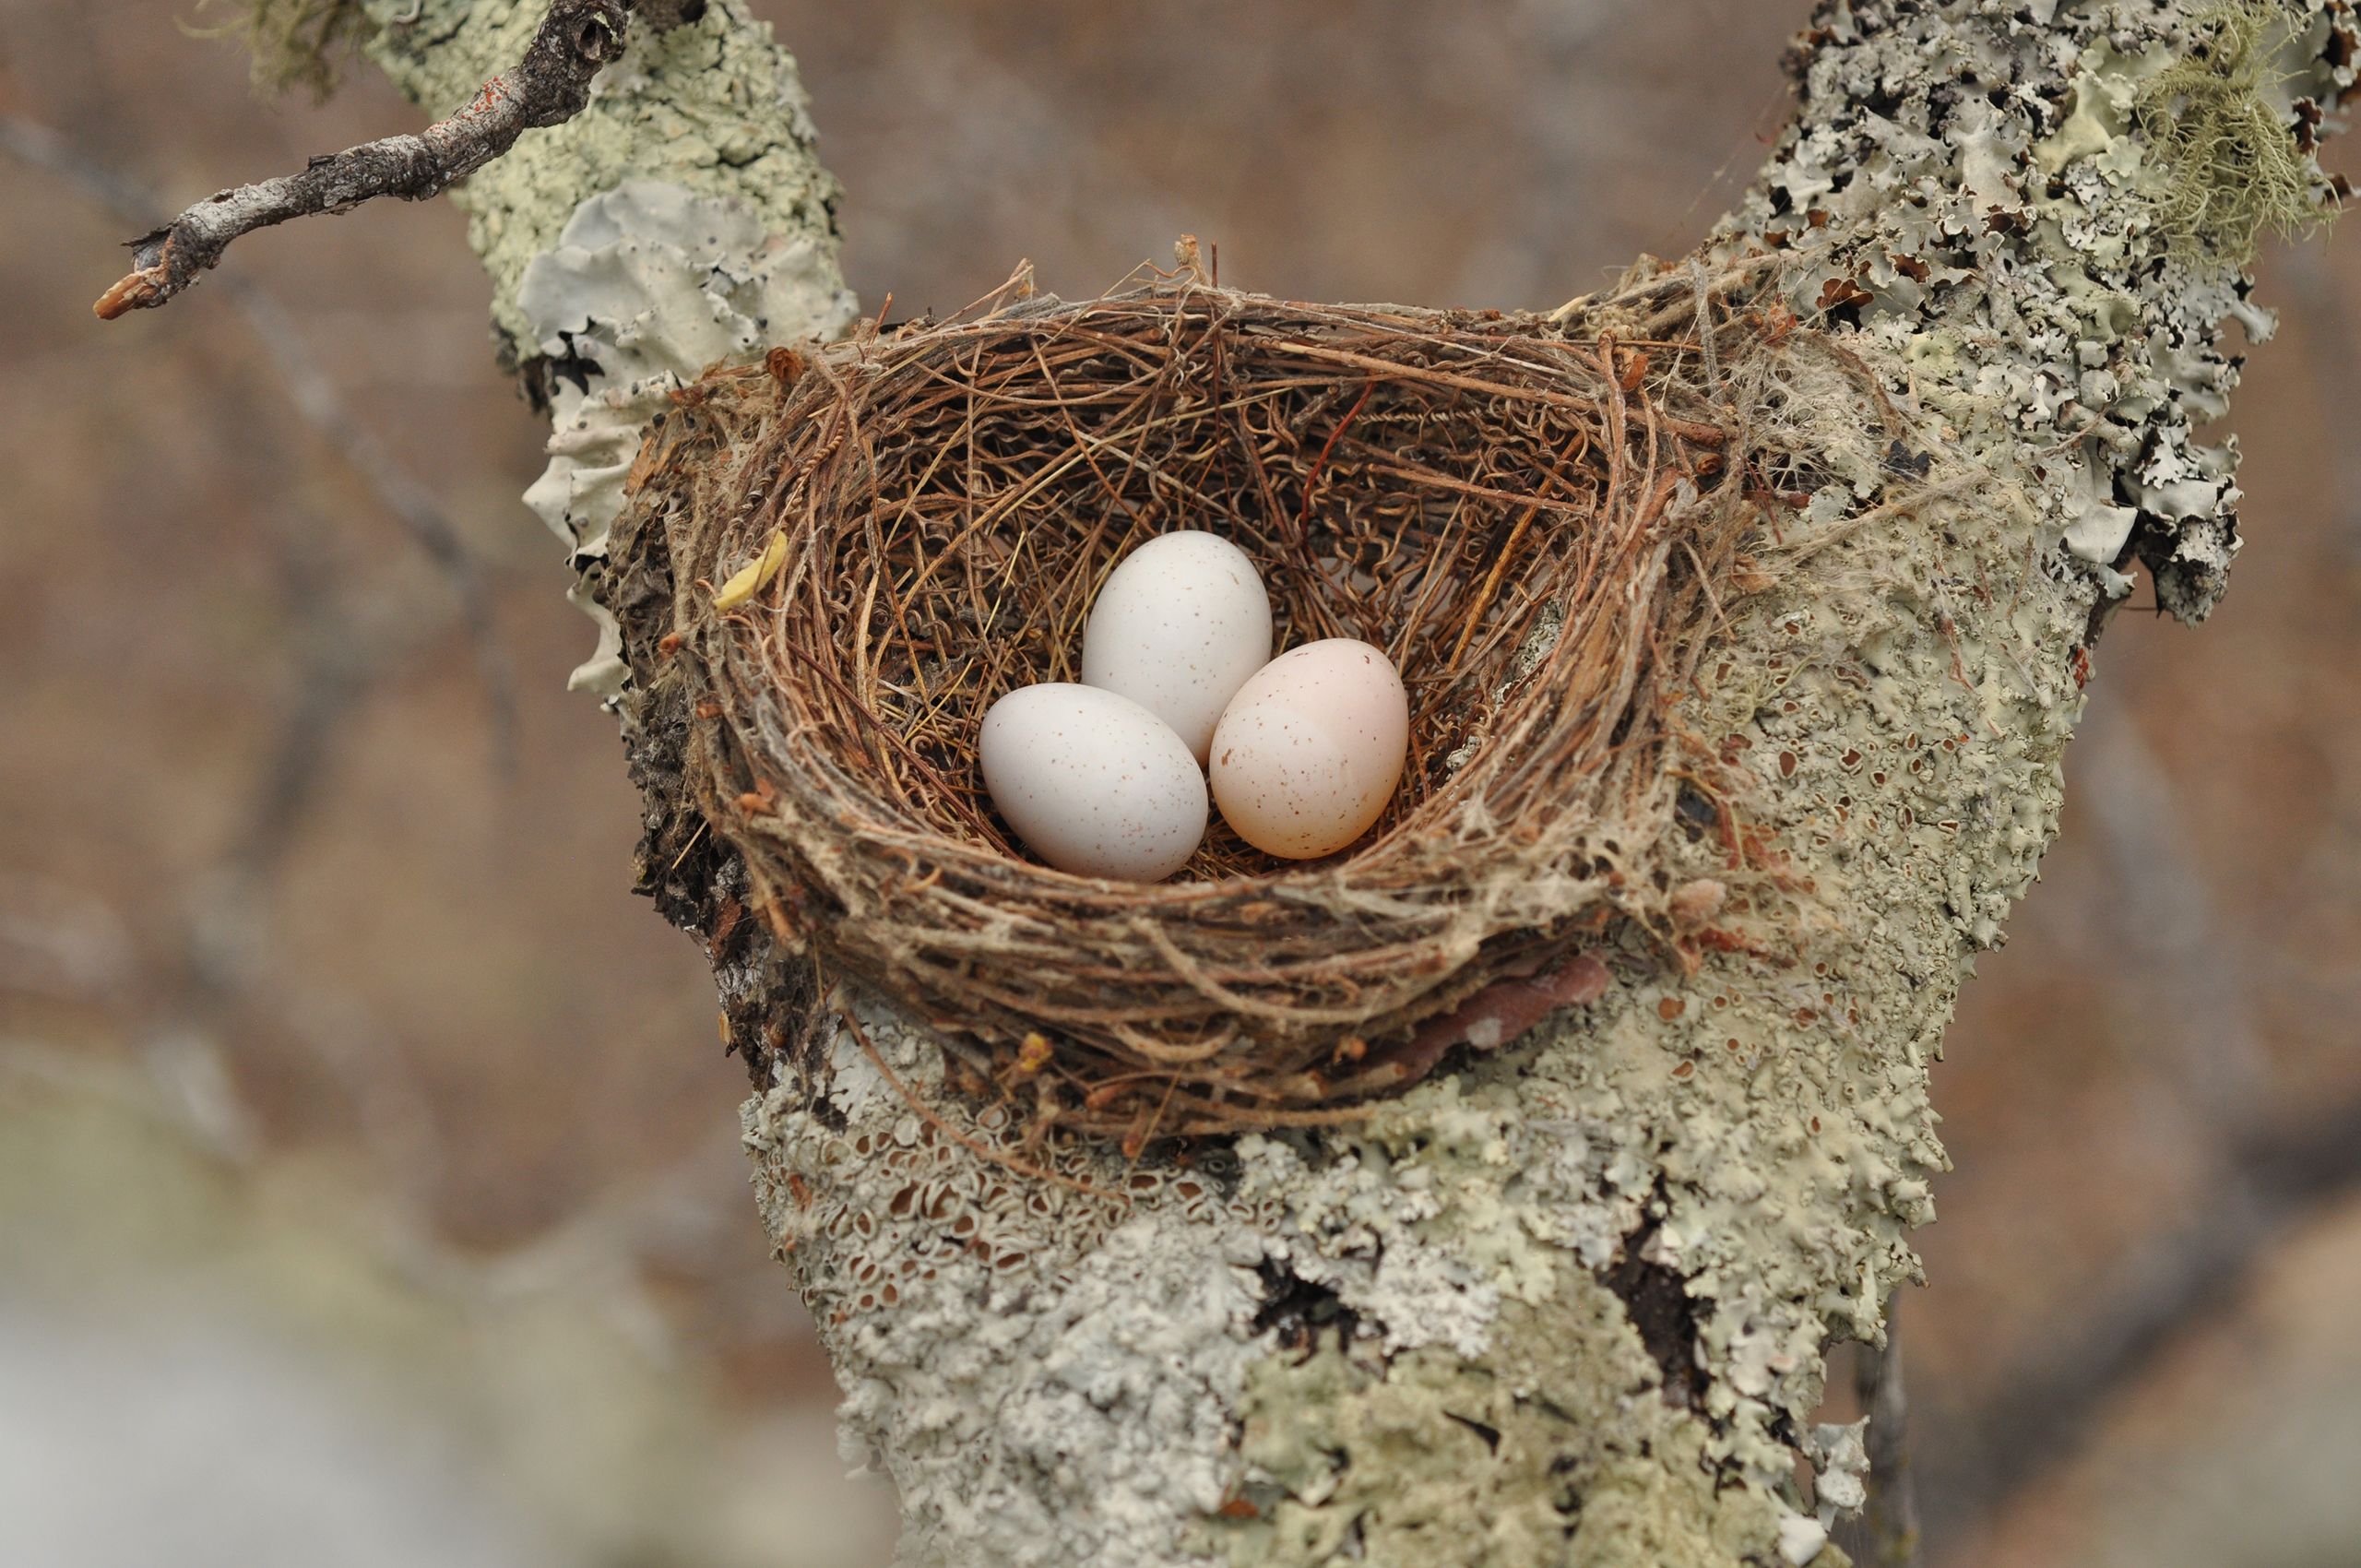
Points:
x=550 y=86
x=1567 y=1302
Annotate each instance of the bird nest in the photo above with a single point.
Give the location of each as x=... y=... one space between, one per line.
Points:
x=859 y=550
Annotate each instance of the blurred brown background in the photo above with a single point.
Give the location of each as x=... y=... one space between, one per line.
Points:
x=369 y=1188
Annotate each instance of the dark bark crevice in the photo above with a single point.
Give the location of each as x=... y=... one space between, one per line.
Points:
x=1656 y=1297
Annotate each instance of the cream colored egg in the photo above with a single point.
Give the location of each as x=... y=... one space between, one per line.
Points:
x=1181 y=625
x=1095 y=783
x=1311 y=748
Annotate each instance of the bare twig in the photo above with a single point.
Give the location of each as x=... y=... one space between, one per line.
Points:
x=314 y=393
x=548 y=87
x=1885 y=1535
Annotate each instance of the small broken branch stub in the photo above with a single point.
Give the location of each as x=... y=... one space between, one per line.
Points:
x=550 y=86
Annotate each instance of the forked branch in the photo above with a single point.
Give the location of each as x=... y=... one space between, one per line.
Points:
x=550 y=86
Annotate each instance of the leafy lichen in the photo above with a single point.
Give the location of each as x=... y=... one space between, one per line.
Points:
x=1541 y=1455
x=712 y=106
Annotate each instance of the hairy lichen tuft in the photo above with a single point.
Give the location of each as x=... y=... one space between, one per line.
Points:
x=2234 y=166
x=294 y=43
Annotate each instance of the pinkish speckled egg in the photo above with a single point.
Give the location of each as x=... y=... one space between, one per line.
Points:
x=1311 y=748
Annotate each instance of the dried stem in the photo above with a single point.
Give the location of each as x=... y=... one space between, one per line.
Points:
x=548 y=87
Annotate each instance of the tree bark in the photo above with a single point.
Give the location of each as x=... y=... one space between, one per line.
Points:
x=1569 y=1305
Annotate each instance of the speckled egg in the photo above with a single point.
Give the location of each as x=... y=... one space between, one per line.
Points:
x=1181 y=625
x=1093 y=783
x=1311 y=748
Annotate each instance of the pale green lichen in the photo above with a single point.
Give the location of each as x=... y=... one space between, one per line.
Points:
x=679 y=220
x=1545 y=1455
x=2201 y=137
x=2232 y=169
x=294 y=43
x=648 y=285
x=1713 y=1128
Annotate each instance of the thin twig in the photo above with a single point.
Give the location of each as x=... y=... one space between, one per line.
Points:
x=1885 y=1535
x=320 y=405
x=549 y=86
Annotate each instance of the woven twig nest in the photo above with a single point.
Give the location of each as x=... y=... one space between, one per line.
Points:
x=865 y=547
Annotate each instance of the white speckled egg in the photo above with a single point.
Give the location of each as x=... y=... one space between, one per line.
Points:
x=1311 y=749
x=1179 y=625
x=1095 y=783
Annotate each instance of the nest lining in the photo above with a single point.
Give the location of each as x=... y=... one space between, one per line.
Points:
x=861 y=550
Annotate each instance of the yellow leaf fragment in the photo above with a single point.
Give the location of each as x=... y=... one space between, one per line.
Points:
x=747 y=580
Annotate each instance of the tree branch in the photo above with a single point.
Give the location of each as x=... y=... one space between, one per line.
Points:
x=550 y=86
x=1569 y=1303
